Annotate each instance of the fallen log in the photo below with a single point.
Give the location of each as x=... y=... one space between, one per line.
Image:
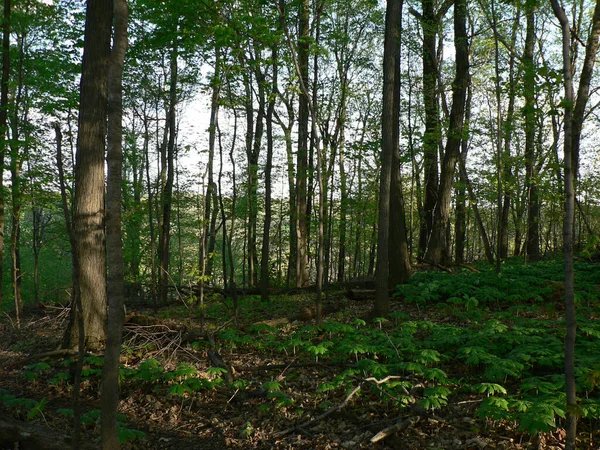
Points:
x=31 y=436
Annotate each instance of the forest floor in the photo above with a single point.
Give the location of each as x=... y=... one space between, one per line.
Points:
x=275 y=381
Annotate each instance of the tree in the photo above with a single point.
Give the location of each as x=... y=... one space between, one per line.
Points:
x=88 y=209
x=438 y=248
x=114 y=241
x=4 y=125
x=302 y=167
x=389 y=145
x=573 y=122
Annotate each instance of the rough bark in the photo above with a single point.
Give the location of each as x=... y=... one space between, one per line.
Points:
x=571 y=323
x=533 y=211
x=15 y=187
x=114 y=241
x=4 y=118
x=88 y=208
x=431 y=136
x=167 y=178
x=302 y=167
x=437 y=250
x=389 y=145
x=266 y=239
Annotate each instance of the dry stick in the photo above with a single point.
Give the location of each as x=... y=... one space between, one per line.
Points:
x=322 y=416
x=399 y=426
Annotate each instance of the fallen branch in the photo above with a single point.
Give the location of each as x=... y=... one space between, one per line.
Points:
x=403 y=425
x=322 y=416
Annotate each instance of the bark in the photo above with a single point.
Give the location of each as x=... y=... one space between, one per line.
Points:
x=398 y=255
x=388 y=148
x=460 y=227
x=114 y=241
x=88 y=208
x=266 y=240
x=431 y=136
x=210 y=200
x=571 y=322
x=437 y=251
x=302 y=167
x=4 y=119
x=573 y=123
x=16 y=182
x=167 y=179
x=533 y=210
x=293 y=238
x=253 y=155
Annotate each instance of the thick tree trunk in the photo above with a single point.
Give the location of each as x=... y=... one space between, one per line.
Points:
x=389 y=146
x=114 y=241
x=88 y=208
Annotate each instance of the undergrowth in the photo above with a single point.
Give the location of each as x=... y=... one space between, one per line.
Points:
x=494 y=340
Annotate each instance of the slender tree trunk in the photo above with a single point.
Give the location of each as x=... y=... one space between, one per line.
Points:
x=431 y=136
x=6 y=27
x=114 y=241
x=460 y=226
x=16 y=182
x=210 y=210
x=266 y=239
x=164 y=237
x=533 y=235
x=437 y=251
x=573 y=123
x=571 y=322
x=302 y=167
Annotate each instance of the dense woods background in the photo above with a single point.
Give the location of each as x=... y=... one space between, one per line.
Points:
x=271 y=144
x=219 y=146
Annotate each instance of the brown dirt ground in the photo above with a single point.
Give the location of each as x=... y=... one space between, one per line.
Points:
x=223 y=418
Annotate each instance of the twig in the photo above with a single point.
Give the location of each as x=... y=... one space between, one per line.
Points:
x=322 y=416
x=337 y=408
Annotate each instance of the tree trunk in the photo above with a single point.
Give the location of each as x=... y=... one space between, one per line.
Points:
x=302 y=169
x=573 y=123
x=15 y=177
x=390 y=124
x=88 y=208
x=4 y=120
x=437 y=251
x=167 y=163
x=431 y=136
x=533 y=212
x=114 y=241
x=266 y=240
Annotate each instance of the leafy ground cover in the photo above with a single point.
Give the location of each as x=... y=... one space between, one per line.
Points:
x=465 y=361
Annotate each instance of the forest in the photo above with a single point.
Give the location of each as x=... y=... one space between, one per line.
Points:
x=299 y=224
